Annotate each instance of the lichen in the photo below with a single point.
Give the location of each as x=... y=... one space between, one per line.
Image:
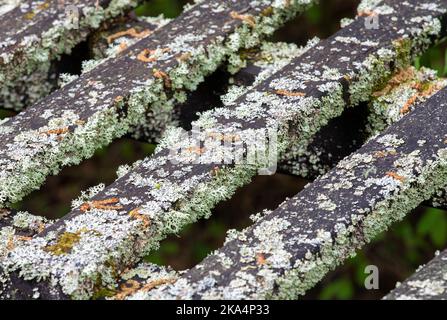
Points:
x=108 y=122
x=29 y=64
x=172 y=190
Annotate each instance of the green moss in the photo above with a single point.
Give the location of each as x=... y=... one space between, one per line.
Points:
x=403 y=53
x=64 y=244
x=104 y=293
x=267 y=12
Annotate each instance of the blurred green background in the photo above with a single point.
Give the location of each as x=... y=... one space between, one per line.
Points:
x=397 y=253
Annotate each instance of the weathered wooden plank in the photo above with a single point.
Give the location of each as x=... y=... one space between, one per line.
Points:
x=404 y=92
x=428 y=283
x=162 y=193
x=106 y=101
x=35 y=33
x=31 y=88
x=343 y=135
x=289 y=249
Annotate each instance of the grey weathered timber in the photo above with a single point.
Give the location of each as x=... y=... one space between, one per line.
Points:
x=266 y=60
x=289 y=249
x=35 y=33
x=339 y=132
x=117 y=34
x=250 y=69
x=106 y=101
x=429 y=282
x=156 y=197
x=405 y=91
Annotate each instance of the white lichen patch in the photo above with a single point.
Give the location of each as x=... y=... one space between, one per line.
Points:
x=17 y=228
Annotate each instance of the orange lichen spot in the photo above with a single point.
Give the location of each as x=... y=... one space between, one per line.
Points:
x=260 y=259
x=380 y=154
x=132 y=286
x=122 y=46
x=162 y=75
x=129 y=32
x=10 y=244
x=41 y=227
x=426 y=89
x=147 y=55
x=23 y=238
x=135 y=213
x=195 y=150
x=402 y=76
x=106 y=204
x=290 y=93
x=395 y=176
x=250 y=20
x=126 y=289
x=56 y=131
x=153 y=284
x=184 y=57
x=215 y=171
x=367 y=13
x=423 y=92
x=383 y=154
x=406 y=107
x=118 y=99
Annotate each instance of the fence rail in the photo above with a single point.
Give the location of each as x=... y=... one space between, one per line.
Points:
x=294 y=107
